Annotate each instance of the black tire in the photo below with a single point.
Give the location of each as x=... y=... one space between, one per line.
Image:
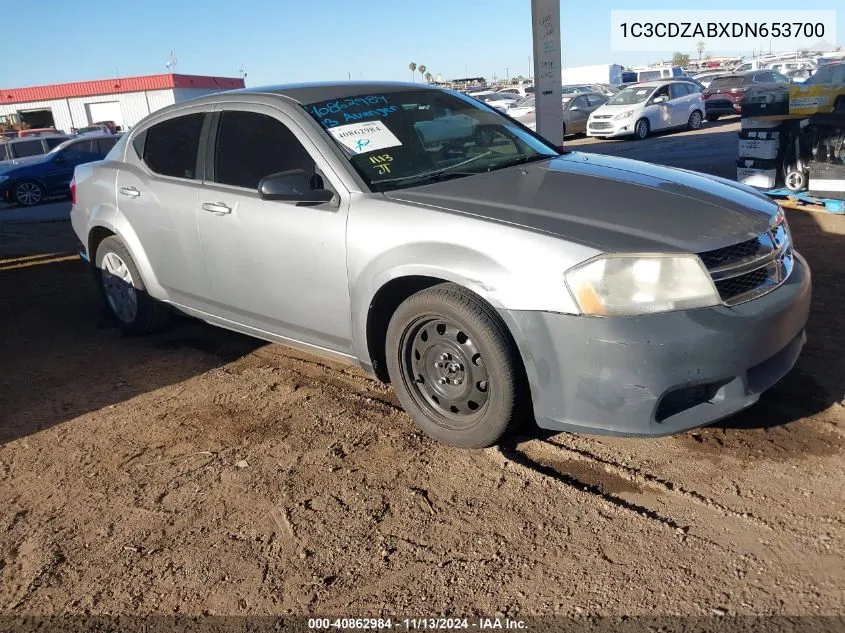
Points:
x=642 y=129
x=481 y=353
x=713 y=117
x=694 y=122
x=150 y=315
x=28 y=193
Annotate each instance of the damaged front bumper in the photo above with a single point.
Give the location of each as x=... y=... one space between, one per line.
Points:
x=662 y=373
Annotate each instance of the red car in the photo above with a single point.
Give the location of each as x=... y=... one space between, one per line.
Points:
x=726 y=93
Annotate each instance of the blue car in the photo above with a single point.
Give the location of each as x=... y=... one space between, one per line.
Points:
x=29 y=181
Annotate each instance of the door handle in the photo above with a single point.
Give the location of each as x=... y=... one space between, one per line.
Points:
x=216 y=207
x=132 y=192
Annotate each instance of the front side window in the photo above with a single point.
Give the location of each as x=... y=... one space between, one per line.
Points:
x=402 y=139
x=170 y=147
x=27 y=148
x=251 y=146
x=53 y=141
x=781 y=79
x=104 y=145
x=580 y=103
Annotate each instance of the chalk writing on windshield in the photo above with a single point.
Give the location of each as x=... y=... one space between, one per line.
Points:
x=382 y=163
x=333 y=113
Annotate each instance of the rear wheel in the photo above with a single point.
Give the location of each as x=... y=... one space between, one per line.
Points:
x=28 y=193
x=126 y=297
x=713 y=117
x=694 y=122
x=455 y=367
x=642 y=129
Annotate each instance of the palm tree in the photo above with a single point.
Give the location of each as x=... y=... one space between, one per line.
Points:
x=413 y=67
x=421 y=68
x=428 y=77
x=700 y=48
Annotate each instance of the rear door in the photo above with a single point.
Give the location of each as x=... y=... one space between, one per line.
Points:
x=158 y=185
x=579 y=111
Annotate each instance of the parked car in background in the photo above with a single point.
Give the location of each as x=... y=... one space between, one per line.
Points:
x=605 y=89
x=93 y=129
x=648 y=107
x=111 y=126
x=35 y=179
x=499 y=101
x=725 y=94
x=14 y=149
x=568 y=90
x=491 y=280
x=39 y=131
x=704 y=78
x=785 y=67
x=576 y=110
x=522 y=91
x=799 y=76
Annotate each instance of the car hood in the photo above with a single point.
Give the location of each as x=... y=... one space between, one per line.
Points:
x=614 y=204
x=616 y=109
x=6 y=165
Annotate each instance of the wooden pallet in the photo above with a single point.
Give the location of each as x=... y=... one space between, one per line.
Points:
x=805 y=202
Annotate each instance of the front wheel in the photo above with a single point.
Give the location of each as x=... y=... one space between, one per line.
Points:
x=694 y=122
x=135 y=311
x=642 y=129
x=455 y=367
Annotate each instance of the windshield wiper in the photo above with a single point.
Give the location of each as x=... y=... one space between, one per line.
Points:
x=435 y=174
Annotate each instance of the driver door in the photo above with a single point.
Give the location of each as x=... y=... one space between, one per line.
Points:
x=274 y=266
x=662 y=109
x=59 y=177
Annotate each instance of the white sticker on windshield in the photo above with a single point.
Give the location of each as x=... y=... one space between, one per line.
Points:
x=641 y=92
x=365 y=137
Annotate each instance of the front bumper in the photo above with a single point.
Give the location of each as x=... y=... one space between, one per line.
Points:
x=616 y=128
x=662 y=373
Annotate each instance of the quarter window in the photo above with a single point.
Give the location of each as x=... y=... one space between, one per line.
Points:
x=251 y=146
x=170 y=147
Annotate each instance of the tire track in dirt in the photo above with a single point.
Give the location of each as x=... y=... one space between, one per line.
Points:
x=654 y=482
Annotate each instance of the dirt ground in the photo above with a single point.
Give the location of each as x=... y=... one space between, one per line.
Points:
x=202 y=472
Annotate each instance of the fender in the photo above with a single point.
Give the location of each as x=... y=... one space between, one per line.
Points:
x=109 y=217
x=471 y=269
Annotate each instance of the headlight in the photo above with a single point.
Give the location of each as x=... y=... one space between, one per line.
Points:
x=612 y=285
x=623 y=115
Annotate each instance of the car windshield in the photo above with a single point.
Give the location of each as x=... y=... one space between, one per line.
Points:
x=403 y=139
x=731 y=81
x=631 y=95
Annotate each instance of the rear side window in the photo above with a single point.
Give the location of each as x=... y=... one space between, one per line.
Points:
x=251 y=146
x=104 y=145
x=53 y=141
x=170 y=147
x=596 y=100
x=28 y=148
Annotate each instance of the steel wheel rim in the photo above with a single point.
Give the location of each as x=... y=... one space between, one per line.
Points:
x=795 y=181
x=28 y=193
x=642 y=129
x=696 y=121
x=444 y=372
x=119 y=288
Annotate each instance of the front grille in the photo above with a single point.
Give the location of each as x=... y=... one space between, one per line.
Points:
x=600 y=125
x=602 y=116
x=752 y=268
x=728 y=254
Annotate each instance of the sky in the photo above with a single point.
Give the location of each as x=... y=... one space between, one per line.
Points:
x=281 y=41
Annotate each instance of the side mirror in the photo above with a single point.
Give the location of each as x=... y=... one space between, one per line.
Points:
x=293 y=185
x=660 y=99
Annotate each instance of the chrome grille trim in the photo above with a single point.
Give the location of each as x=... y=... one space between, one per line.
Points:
x=750 y=269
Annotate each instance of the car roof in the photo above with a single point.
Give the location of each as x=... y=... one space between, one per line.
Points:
x=323 y=91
